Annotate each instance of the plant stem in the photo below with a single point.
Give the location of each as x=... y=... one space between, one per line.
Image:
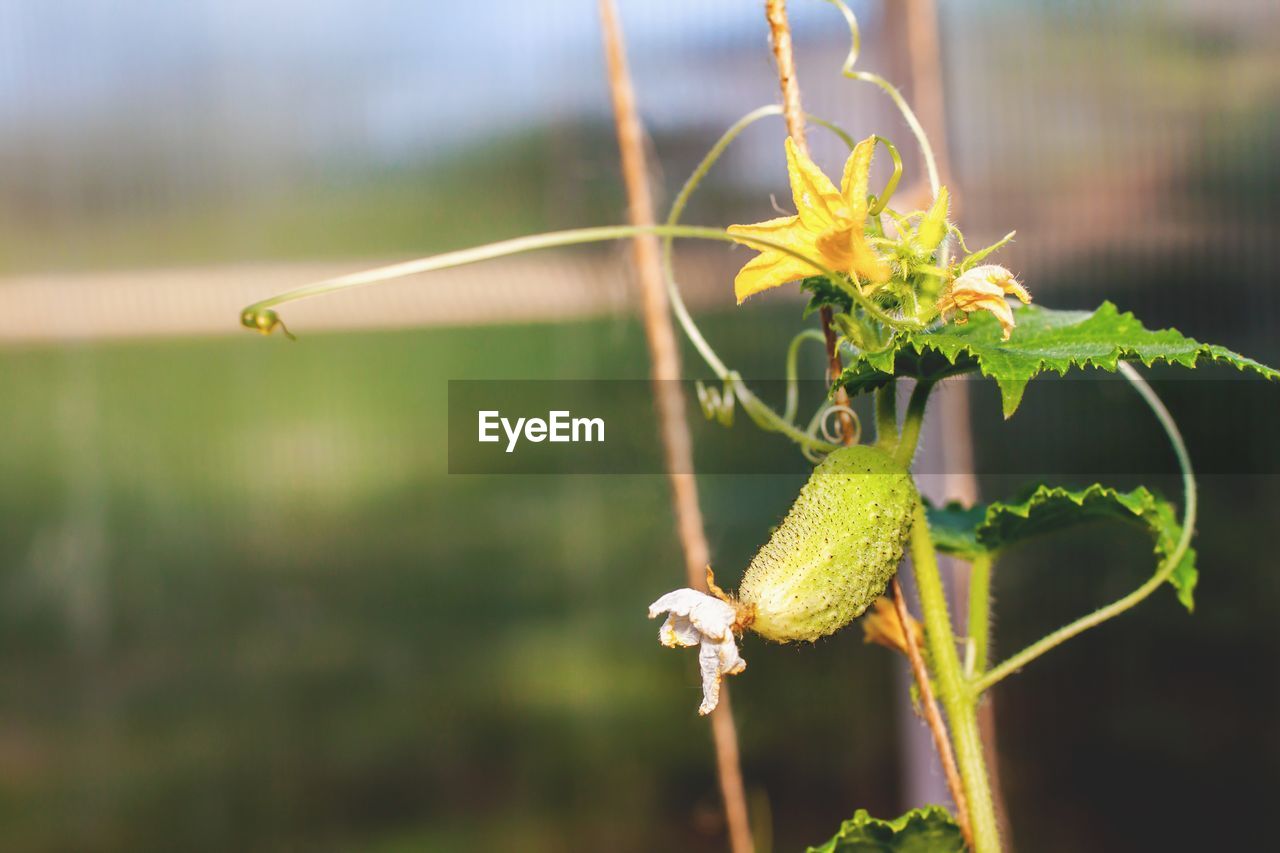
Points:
x=664 y=354
x=780 y=39
x=912 y=422
x=775 y=12
x=906 y=447
x=887 y=416
x=932 y=716
x=975 y=798
x=979 y=614
x=958 y=699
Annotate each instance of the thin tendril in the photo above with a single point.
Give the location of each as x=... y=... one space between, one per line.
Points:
x=908 y=114
x=878 y=203
x=793 y=388
x=530 y=243
x=677 y=210
x=1162 y=574
x=828 y=431
x=762 y=414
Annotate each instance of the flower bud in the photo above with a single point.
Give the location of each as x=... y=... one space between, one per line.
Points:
x=932 y=229
x=836 y=550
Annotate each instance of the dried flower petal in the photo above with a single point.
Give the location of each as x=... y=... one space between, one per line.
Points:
x=984 y=288
x=883 y=627
x=695 y=618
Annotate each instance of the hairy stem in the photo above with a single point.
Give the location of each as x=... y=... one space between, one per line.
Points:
x=932 y=716
x=912 y=422
x=887 y=416
x=976 y=659
x=906 y=447
x=669 y=400
x=957 y=697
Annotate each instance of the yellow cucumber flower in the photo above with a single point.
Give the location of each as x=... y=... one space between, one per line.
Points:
x=983 y=288
x=828 y=227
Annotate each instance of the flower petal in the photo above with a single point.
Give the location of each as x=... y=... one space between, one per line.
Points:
x=853 y=184
x=773 y=267
x=784 y=229
x=883 y=627
x=678 y=632
x=847 y=249
x=699 y=619
x=715 y=661
x=817 y=201
x=864 y=263
x=677 y=601
x=770 y=269
x=1014 y=288
x=709 y=616
x=984 y=288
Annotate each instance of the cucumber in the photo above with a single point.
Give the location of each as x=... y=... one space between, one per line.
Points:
x=836 y=550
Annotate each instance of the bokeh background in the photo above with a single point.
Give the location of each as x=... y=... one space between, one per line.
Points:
x=243 y=605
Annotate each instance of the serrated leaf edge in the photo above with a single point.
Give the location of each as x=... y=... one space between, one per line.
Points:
x=863 y=820
x=1012 y=388
x=1144 y=505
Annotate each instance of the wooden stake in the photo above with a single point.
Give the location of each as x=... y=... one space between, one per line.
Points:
x=669 y=399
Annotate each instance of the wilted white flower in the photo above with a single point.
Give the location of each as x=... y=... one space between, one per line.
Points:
x=698 y=619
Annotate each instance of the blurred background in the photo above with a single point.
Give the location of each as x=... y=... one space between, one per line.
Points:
x=243 y=605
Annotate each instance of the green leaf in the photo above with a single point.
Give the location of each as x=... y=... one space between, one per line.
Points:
x=955 y=528
x=1044 y=340
x=969 y=532
x=825 y=293
x=926 y=830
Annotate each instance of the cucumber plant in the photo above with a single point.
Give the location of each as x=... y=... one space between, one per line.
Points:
x=906 y=313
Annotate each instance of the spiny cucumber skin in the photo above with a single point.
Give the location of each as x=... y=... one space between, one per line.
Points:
x=836 y=550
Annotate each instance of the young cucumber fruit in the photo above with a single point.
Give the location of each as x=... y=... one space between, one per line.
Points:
x=836 y=550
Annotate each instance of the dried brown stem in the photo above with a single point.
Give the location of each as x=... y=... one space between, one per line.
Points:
x=669 y=400
x=775 y=12
x=933 y=715
x=780 y=38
